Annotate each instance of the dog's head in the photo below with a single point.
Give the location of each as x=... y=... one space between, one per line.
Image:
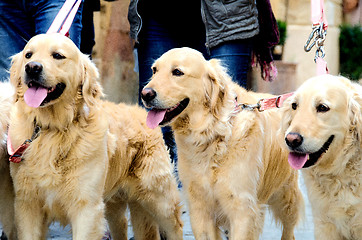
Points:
x=52 y=71
x=184 y=83
x=321 y=119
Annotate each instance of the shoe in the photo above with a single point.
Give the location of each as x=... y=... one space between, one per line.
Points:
x=3 y=236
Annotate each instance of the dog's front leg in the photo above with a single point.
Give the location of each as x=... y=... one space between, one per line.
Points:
x=202 y=213
x=325 y=230
x=30 y=219
x=89 y=222
x=7 y=196
x=236 y=191
x=243 y=225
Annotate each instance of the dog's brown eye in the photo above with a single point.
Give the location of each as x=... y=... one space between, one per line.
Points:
x=322 y=108
x=154 y=70
x=294 y=106
x=28 y=55
x=177 y=72
x=58 y=56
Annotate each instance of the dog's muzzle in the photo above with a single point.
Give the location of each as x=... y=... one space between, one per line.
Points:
x=33 y=69
x=34 y=72
x=148 y=95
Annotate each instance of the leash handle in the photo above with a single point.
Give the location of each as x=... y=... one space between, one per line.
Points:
x=65 y=17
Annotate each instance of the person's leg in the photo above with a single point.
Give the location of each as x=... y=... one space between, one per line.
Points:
x=87 y=35
x=15 y=28
x=155 y=40
x=236 y=57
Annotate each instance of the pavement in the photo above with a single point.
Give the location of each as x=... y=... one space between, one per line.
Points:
x=270 y=232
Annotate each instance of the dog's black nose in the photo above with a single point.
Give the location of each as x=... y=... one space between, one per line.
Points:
x=33 y=68
x=294 y=140
x=148 y=94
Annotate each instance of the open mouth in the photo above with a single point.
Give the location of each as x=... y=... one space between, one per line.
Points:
x=157 y=117
x=304 y=160
x=38 y=95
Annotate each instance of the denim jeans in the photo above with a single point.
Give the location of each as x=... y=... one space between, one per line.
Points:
x=235 y=56
x=155 y=39
x=22 y=19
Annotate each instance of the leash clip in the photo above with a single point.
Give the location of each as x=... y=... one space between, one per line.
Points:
x=308 y=47
x=35 y=133
x=251 y=107
x=319 y=33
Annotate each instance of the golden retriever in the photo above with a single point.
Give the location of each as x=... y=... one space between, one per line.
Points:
x=6 y=184
x=91 y=158
x=322 y=126
x=230 y=163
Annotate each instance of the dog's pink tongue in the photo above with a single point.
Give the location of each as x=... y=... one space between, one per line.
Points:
x=297 y=160
x=154 y=117
x=34 y=96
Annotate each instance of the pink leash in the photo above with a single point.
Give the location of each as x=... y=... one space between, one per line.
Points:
x=61 y=24
x=65 y=17
x=265 y=103
x=318 y=14
x=319 y=33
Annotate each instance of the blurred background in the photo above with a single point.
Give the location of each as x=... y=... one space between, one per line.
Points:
x=113 y=52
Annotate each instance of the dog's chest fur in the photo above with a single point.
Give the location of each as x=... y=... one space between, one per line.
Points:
x=337 y=198
x=59 y=165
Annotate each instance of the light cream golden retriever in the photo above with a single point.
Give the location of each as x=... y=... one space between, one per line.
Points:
x=91 y=158
x=6 y=184
x=230 y=163
x=322 y=126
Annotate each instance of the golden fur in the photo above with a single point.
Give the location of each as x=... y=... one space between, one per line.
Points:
x=91 y=158
x=334 y=183
x=230 y=163
x=6 y=184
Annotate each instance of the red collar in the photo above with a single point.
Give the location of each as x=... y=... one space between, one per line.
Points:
x=16 y=156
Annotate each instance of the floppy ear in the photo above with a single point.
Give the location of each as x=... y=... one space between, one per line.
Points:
x=91 y=89
x=355 y=115
x=216 y=85
x=15 y=73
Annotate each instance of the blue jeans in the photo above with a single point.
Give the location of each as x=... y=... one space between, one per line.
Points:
x=22 y=19
x=235 y=56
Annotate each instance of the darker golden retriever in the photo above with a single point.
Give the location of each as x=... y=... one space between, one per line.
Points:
x=230 y=162
x=91 y=158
